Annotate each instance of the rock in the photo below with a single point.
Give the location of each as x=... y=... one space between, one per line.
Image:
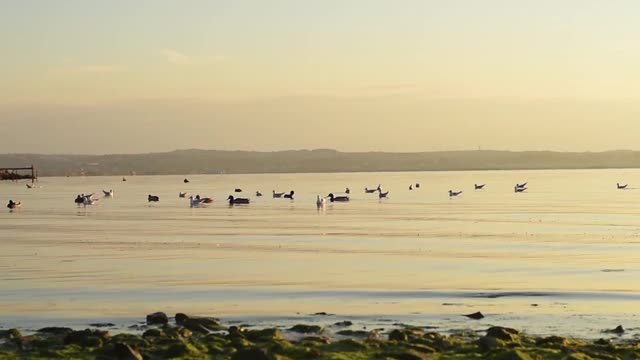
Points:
x=100 y=325
x=54 y=330
x=551 y=341
x=343 y=323
x=316 y=340
x=153 y=333
x=306 y=329
x=353 y=333
x=619 y=330
x=503 y=333
x=475 y=316
x=348 y=345
x=322 y=313
x=157 y=318
x=130 y=339
x=602 y=342
x=263 y=335
x=202 y=324
x=235 y=331
x=398 y=335
x=252 y=354
x=126 y=352
x=180 y=318
x=490 y=343
x=11 y=334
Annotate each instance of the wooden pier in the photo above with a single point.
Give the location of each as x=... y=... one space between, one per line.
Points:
x=14 y=173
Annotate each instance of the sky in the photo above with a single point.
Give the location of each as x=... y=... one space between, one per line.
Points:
x=121 y=76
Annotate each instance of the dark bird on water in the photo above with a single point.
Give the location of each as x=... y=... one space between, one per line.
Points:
x=333 y=198
x=237 y=201
x=454 y=193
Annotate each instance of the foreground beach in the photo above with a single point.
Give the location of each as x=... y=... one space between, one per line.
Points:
x=187 y=337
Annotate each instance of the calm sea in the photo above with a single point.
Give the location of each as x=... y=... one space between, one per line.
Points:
x=564 y=256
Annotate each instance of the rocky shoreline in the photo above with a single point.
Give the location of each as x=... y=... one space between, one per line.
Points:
x=189 y=337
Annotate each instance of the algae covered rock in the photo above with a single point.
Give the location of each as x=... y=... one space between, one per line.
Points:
x=87 y=338
x=263 y=335
x=503 y=333
x=398 y=335
x=181 y=349
x=253 y=353
x=123 y=351
x=513 y=355
x=490 y=343
x=54 y=330
x=157 y=318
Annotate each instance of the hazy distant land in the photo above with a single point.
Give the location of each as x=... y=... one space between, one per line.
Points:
x=182 y=162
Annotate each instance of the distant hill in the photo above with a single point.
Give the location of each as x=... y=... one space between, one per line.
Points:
x=182 y=162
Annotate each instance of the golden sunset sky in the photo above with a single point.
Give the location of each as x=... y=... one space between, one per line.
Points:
x=85 y=76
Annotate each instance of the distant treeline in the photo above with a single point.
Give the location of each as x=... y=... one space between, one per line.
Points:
x=183 y=162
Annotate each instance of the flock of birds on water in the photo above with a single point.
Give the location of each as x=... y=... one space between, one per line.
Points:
x=197 y=201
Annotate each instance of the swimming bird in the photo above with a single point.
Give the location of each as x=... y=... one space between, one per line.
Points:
x=107 y=193
x=333 y=198
x=185 y=180
x=153 y=198
x=454 y=193
x=238 y=190
x=124 y=178
x=622 y=186
x=479 y=186
x=197 y=201
x=205 y=200
x=29 y=186
x=417 y=185
x=13 y=205
x=237 y=201
x=319 y=202
x=182 y=194
x=87 y=199
x=79 y=199
x=347 y=191
x=519 y=189
x=277 y=195
x=289 y=195
x=382 y=195
x=521 y=185
x=258 y=193
x=411 y=187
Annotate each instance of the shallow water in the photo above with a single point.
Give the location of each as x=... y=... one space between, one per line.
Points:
x=562 y=257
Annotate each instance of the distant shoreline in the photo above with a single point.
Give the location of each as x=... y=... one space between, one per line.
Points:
x=210 y=162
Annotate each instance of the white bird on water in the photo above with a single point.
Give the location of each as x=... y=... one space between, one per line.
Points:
x=320 y=202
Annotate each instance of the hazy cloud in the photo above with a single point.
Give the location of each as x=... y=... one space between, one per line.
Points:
x=100 y=68
x=176 y=57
